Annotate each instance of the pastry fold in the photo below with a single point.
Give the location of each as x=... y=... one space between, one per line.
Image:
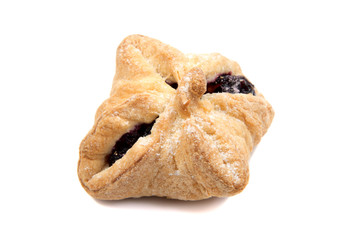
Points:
x=200 y=143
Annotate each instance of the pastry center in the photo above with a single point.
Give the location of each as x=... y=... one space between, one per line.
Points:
x=231 y=84
x=127 y=141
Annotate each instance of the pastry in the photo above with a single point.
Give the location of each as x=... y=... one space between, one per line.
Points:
x=176 y=125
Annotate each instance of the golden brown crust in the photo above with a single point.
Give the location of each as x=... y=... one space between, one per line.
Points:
x=200 y=143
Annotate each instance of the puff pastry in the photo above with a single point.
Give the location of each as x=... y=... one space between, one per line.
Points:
x=176 y=125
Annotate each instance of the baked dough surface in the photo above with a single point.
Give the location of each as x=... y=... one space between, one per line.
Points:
x=200 y=144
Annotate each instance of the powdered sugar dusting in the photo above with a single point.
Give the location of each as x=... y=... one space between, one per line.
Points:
x=232 y=171
x=176 y=173
x=185 y=87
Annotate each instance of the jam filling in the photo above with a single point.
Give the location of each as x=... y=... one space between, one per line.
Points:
x=230 y=84
x=226 y=83
x=128 y=140
x=172 y=84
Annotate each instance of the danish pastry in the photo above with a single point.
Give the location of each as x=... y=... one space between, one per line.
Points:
x=176 y=125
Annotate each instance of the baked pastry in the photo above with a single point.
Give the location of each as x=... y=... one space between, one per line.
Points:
x=175 y=125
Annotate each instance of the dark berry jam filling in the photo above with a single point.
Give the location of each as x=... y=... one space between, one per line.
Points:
x=172 y=84
x=231 y=84
x=128 y=140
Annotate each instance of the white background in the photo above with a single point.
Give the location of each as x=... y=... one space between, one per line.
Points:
x=57 y=61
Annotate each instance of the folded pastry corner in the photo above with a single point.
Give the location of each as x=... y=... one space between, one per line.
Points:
x=175 y=125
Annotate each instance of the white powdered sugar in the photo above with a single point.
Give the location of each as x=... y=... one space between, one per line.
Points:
x=176 y=173
x=232 y=170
